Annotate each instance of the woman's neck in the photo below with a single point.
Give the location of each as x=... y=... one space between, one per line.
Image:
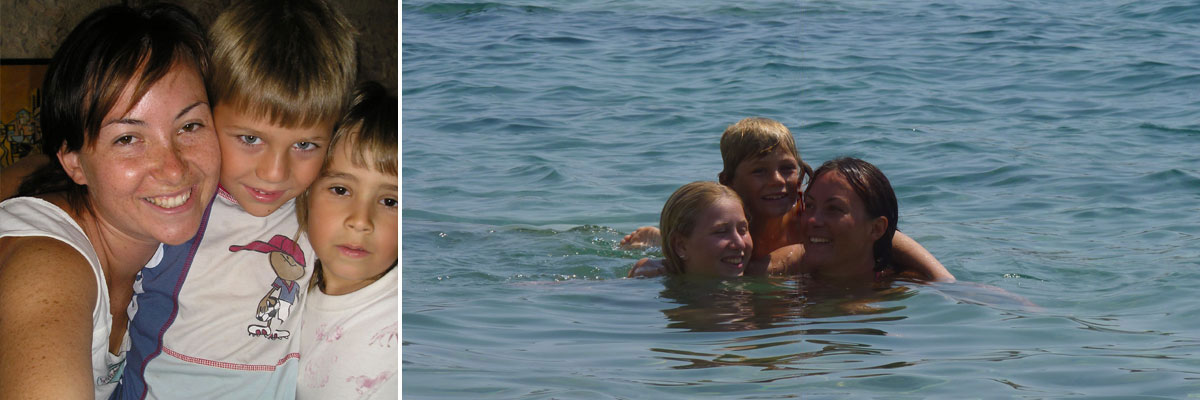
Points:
x=121 y=256
x=861 y=269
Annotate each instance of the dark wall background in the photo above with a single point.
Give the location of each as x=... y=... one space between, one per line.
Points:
x=33 y=28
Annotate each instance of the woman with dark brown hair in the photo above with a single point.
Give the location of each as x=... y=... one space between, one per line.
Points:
x=133 y=162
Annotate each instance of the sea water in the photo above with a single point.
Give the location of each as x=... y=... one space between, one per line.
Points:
x=1047 y=152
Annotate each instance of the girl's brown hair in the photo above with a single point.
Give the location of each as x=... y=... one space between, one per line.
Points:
x=371 y=129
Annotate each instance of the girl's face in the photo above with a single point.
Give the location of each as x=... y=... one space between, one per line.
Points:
x=154 y=165
x=840 y=233
x=767 y=184
x=719 y=244
x=353 y=219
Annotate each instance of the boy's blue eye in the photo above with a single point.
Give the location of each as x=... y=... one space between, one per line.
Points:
x=250 y=139
x=305 y=146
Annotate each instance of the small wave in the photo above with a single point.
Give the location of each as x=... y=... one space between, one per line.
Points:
x=1173 y=177
x=822 y=125
x=566 y=40
x=1191 y=80
x=1175 y=14
x=1185 y=130
x=984 y=34
x=464 y=9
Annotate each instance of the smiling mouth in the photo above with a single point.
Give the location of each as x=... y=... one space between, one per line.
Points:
x=264 y=195
x=170 y=201
x=779 y=196
x=818 y=240
x=734 y=259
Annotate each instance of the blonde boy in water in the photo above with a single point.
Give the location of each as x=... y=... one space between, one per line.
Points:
x=218 y=317
x=349 y=339
x=762 y=165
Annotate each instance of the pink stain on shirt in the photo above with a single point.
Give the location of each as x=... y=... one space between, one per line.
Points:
x=386 y=336
x=329 y=335
x=367 y=384
x=315 y=376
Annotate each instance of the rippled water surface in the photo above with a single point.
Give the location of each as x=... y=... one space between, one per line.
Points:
x=1044 y=151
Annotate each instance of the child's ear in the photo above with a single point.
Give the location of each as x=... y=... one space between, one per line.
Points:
x=878 y=227
x=70 y=163
x=677 y=246
x=723 y=178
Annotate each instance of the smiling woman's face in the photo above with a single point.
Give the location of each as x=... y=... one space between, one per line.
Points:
x=154 y=165
x=840 y=231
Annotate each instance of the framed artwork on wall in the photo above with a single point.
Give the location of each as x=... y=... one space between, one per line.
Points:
x=20 y=107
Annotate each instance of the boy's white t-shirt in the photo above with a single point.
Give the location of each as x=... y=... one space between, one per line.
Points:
x=31 y=216
x=350 y=343
x=214 y=319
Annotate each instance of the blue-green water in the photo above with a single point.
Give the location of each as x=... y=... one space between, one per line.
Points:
x=1050 y=149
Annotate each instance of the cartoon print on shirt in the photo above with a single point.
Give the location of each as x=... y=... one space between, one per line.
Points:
x=287 y=259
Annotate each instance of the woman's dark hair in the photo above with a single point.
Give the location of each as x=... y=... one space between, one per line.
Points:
x=877 y=195
x=112 y=48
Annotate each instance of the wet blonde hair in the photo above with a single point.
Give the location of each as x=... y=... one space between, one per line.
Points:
x=681 y=211
x=291 y=62
x=755 y=137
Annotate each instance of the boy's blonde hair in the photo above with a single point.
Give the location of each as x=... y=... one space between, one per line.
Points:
x=755 y=137
x=679 y=215
x=292 y=62
x=371 y=130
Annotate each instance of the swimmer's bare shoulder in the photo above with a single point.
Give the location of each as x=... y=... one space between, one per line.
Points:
x=786 y=260
x=647 y=268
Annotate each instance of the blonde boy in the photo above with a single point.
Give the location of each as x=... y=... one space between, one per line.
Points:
x=213 y=317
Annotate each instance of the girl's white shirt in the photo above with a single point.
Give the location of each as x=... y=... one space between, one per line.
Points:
x=349 y=345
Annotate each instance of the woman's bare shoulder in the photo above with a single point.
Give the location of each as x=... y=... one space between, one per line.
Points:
x=786 y=260
x=31 y=265
x=48 y=294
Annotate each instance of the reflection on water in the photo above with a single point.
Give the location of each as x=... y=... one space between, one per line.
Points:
x=828 y=300
x=785 y=316
x=706 y=305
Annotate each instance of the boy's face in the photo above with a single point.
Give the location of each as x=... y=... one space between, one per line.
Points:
x=353 y=223
x=264 y=165
x=767 y=184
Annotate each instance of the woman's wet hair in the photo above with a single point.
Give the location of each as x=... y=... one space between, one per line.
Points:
x=873 y=187
x=113 y=48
